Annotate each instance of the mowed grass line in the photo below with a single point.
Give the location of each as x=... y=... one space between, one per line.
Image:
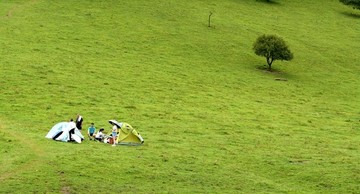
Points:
x=213 y=121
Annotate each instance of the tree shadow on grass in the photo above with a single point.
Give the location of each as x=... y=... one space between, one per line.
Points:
x=265 y=68
x=270 y=2
x=351 y=14
x=277 y=73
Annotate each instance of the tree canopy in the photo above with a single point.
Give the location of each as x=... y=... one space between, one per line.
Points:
x=354 y=3
x=273 y=48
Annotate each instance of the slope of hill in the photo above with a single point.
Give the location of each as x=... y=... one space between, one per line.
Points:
x=214 y=120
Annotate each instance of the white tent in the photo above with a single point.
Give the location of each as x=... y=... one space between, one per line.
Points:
x=60 y=132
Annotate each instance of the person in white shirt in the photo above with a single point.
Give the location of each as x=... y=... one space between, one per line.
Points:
x=100 y=135
x=79 y=120
x=114 y=134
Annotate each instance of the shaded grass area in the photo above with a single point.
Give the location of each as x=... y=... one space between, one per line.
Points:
x=212 y=120
x=351 y=14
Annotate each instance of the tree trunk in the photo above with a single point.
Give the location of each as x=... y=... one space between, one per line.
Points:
x=269 y=61
x=210 y=14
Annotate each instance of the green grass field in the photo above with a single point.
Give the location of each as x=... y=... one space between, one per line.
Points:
x=213 y=119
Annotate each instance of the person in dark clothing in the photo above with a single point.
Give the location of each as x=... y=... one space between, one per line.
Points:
x=79 y=120
x=72 y=129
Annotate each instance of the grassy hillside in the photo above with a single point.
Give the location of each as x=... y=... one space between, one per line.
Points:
x=213 y=120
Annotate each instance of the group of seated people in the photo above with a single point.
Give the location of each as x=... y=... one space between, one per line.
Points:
x=99 y=136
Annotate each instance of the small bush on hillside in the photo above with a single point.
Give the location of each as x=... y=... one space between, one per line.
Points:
x=354 y=3
x=273 y=48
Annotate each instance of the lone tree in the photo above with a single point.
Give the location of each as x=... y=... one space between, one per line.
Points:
x=273 y=48
x=354 y=3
